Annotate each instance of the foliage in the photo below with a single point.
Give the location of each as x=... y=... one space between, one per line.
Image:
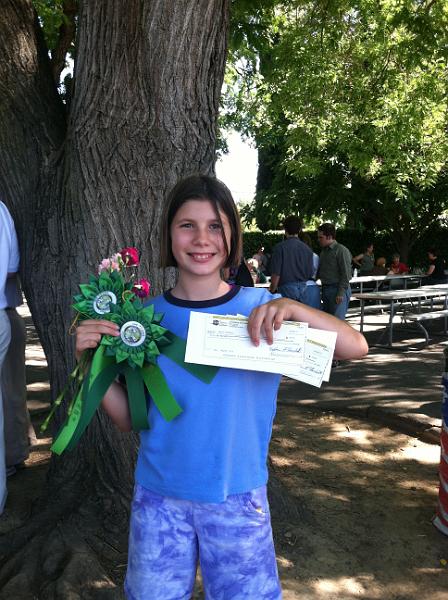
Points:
x=51 y=16
x=355 y=241
x=347 y=103
x=58 y=19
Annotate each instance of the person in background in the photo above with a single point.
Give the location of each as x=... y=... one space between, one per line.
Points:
x=335 y=272
x=436 y=270
x=397 y=267
x=262 y=260
x=380 y=266
x=292 y=263
x=312 y=288
x=365 y=261
x=256 y=274
x=9 y=265
x=240 y=275
x=19 y=431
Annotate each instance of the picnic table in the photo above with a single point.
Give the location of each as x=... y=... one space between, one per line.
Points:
x=378 y=280
x=406 y=299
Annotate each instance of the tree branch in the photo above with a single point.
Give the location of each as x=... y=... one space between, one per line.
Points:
x=66 y=37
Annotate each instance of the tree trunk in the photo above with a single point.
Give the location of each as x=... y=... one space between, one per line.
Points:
x=143 y=113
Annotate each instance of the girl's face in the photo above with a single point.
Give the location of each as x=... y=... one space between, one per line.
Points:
x=197 y=238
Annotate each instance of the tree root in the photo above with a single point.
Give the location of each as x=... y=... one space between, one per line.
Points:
x=66 y=551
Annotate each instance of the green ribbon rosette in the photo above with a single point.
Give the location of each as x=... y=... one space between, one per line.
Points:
x=133 y=355
x=102 y=292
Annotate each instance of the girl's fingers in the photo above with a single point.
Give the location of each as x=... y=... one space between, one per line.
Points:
x=264 y=319
x=100 y=326
x=90 y=332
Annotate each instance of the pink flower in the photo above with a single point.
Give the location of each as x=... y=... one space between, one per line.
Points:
x=110 y=264
x=130 y=257
x=141 y=288
x=104 y=265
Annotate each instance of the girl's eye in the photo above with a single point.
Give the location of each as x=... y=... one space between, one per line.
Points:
x=216 y=226
x=186 y=225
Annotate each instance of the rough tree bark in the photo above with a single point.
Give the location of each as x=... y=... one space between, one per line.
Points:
x=143 y=113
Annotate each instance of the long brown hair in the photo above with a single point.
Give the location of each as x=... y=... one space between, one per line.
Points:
x=201 y=187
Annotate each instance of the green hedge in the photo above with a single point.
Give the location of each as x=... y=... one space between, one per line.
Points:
x=355 y=241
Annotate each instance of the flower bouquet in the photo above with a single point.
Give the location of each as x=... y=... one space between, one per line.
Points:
x=132 y=355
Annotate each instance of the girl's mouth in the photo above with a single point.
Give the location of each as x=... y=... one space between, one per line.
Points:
x=201 y=257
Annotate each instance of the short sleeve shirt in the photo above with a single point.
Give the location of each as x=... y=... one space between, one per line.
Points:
x=9 y=251
x=292 y=260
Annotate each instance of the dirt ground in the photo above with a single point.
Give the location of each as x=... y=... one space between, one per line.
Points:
x=351 y=509
x=351 y=504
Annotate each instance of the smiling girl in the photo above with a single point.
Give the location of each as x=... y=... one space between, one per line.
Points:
x=200 y=492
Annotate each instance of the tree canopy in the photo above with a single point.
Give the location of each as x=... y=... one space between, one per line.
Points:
x=347 y=103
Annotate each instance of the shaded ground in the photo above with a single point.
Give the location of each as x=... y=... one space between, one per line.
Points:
x=351 y=501
x=368 y=495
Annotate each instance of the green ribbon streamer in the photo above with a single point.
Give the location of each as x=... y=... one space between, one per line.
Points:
x=136 y=398
x=102 y=372
x=104 y=369
x=160 y=392
x=176 y=352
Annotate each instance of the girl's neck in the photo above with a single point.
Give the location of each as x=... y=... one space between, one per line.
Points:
x=196 y=289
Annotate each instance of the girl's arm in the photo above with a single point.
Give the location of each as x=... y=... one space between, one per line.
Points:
x=266 y=318
x=115 y=401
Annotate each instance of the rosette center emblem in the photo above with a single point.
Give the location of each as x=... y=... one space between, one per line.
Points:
x=133 y=333
x=101 y=303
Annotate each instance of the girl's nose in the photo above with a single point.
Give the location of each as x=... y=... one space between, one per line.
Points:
x=202 y=235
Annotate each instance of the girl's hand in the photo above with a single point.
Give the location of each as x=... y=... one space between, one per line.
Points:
x=267 y=318
x=89 y=333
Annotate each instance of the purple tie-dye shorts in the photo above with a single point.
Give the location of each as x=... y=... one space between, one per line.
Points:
x=232 y=541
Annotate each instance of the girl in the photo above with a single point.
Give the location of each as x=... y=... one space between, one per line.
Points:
x=200 y=491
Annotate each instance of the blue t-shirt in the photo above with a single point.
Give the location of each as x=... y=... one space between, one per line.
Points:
x=218 y=445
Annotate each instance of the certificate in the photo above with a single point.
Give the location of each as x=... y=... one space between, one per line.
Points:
x=223 y=341
x=319 y=349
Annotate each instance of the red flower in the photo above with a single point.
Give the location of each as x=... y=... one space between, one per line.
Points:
x=141 y=288
x=130 y=257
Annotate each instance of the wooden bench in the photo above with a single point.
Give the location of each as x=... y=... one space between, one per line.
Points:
x=426 y=316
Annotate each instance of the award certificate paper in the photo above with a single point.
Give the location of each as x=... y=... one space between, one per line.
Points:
x=319 y=349
x=223 y=341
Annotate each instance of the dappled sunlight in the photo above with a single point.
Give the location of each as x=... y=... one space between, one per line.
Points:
x=41 y=443
x=347 y=586
x=284 y=562
x=428 y=454
x=421 y=486
x=284 y=462
x=356 y=456
x=366 y=487
x=34 y=356
x=330 y=494
x=357 y=435
x=38 y=386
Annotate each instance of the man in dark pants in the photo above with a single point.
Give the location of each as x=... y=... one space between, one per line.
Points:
x=292 y=265
x=335 y=272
